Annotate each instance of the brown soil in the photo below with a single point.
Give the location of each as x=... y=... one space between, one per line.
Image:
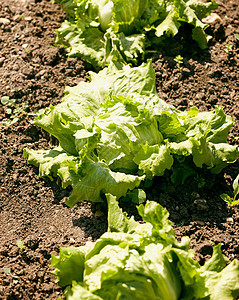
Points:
x=32 y=210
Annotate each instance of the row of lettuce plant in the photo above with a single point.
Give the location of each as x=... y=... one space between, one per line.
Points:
x=121 y=31
x=115 y=135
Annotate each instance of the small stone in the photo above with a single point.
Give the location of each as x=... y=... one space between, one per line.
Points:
x=28 y=71
x=195 y=195
x=14 y=176
x=201 y=204
x=28 y=18
x=230 y=220
x=40 y=74
x=99 y=213
x=186 y=71
x=207 y=66
x=24 y=46
x=212 y=19
x=200 y=96
x=4 y=21
x=201 y=223
x=72 y=240
x=2 y=60
x=17 y=18
x=41 y=261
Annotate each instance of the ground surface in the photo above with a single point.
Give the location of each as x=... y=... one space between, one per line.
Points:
x=32 y=210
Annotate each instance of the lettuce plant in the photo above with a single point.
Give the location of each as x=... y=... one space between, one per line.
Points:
x=115 y=132
x=143 y=261
x=227 y=198
x=102 y=31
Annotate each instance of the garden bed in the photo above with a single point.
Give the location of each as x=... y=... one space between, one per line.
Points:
x=32 y=210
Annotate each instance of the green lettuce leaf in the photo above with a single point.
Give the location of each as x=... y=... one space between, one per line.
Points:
x=103 y=31
x=114 y=132
x=69 y=265
x=235 y=186
x=143 y=261
x=88 y=179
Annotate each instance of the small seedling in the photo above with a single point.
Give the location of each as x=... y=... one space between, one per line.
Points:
x=232 y=201
x=8 y=272
x=237 y=37
x=16 y=90
x=201 y=182
x=20 y=245
x=37 y=113
x=13 y=110
x=179 y=61
x=228 y=49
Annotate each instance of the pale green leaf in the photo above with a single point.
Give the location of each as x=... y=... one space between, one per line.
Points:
x=236 y=186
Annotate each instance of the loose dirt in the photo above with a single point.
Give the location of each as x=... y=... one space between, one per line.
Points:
x=32 y=210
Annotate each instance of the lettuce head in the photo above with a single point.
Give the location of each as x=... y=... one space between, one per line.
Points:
x=143 y=261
